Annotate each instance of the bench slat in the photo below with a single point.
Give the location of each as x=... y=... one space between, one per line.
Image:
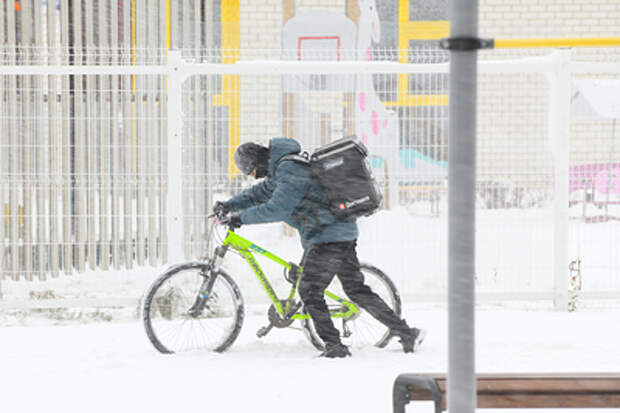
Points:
x=540 y=385
x=542 y=401
x=517 y=391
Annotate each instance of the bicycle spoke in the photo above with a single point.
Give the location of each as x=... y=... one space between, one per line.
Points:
x=172 y=328
x=364 y=329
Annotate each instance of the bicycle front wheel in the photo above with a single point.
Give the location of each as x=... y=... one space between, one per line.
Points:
x=174 y=322
x=362 y=329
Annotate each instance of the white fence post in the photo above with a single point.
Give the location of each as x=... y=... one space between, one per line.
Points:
x=175 y=157
x=559 y=133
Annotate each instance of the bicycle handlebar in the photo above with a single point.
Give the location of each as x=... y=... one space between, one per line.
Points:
x=227 y=223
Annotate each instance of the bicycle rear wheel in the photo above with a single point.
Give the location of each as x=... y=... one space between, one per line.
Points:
x=362 y=329
x=170 y=319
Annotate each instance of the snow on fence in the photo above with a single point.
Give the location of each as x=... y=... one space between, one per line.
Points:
x=109 y=160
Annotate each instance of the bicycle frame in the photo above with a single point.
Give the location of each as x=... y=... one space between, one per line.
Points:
x=246 y=249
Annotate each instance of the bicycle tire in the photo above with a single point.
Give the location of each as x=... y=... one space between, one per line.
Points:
x=361 y=334
x=166 y=306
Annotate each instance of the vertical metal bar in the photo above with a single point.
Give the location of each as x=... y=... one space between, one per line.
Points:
x=174 y=11
x=80 y=167
x=104 y=139
x=184 y=36
x=461 y=217
x=3 y=147
x=559 y=132
x=209 y=121
x=91 y=139
x=609 y=167
x=140 y=131
x=114 y=137
x=26 y=45
x=175 y=158
x=188 y=193
x=127 y=139
x=54 y=161
x=198 y=169
x=39 y=140
x=163 y=228
x=67 y=237
x=152 y=138
x=14 y=175
x=197 y=33
x=207 y=29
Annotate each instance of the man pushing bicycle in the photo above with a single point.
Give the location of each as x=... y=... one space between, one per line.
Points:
x=291 y=193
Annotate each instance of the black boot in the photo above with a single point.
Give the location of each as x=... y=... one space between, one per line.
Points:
x=411 y=339
x=335 y=351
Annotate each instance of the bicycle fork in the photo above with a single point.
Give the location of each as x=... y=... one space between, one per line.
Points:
x=209 y=276
x=204 y=292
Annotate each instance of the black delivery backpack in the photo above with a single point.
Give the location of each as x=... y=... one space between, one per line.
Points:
x=343 y=171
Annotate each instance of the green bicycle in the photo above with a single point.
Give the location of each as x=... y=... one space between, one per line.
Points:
x=198 y=306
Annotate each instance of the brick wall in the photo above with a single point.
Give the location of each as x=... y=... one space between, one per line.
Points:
x=261 y=25
x=513 y=114
x=549 y=18
x=589 y=141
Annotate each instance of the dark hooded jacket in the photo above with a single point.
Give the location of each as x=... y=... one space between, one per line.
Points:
x=291 y=194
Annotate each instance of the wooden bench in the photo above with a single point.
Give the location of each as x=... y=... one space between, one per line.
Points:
x=499 y=391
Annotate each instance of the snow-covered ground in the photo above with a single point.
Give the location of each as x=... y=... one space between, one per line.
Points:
x=111 y=367
x=73 y=361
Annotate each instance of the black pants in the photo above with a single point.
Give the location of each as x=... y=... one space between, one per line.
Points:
x=320 y=264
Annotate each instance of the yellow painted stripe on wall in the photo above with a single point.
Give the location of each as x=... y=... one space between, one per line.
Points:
x=424 y=30
x=403 y=11
x=569 y=42
x=167 y=26
x=231 y=44
x=415 y=30
x=419 y=100
x=425 y=100
x=403 y=42
x=230 y=19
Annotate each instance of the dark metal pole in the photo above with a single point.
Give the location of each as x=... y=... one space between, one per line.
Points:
x=461 y=216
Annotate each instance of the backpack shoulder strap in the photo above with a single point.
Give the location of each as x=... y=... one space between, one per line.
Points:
x=298 y=158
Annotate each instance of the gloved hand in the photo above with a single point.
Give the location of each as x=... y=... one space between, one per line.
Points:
x=233 y=220
x=220 y=209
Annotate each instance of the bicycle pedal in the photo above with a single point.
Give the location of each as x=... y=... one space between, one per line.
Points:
x=263 y=331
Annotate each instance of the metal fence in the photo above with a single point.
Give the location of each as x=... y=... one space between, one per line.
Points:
x=91 y=124
x=82 y=156
x=82 y=153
